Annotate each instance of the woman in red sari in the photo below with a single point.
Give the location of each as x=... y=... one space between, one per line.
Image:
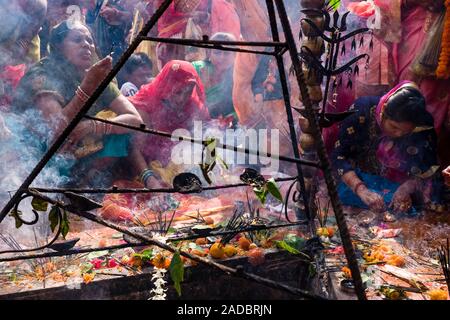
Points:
x=173 y=100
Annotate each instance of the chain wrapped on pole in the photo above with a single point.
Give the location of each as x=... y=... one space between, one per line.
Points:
x=322 y=154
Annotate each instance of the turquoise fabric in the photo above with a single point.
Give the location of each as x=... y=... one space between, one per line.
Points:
x=114 y=146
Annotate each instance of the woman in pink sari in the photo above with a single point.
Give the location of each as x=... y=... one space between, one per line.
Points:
x=416 y=19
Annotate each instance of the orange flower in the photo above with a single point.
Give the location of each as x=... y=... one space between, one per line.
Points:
x=161 y=261
x=443 y=69
x=347 y=272
x=88 y=277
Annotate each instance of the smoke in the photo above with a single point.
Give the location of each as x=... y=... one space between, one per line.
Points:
x=23 y=146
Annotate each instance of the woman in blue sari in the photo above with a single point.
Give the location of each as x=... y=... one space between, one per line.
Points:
x=386 y=153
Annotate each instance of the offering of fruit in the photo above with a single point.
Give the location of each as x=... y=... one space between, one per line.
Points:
x=256 y=256
x=209 y=220
x=437 y=294
x=230 y=250
x=217 y=251
x=244 y=243
x=201 y=241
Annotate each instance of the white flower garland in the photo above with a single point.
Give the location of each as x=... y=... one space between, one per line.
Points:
x=158 y=292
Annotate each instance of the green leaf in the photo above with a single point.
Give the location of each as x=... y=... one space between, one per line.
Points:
x=39 y=204
x=294 y=241
x=16 y=214
x=86 y=268
x=171 y=230
x=65 y=225
x=53 y=217
x=272 y=187
x=334 y=4
x=145 y=255
x=283 y=245
x=261 y=194
x=177 y=271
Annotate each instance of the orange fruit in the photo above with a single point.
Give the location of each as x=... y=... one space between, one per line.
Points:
x=160 y=261
x=347 y=272
x=209 y=220
x=437 y=294
x=102 y=243
x=230 y=250
x=330 y=231
x=256 y=256
x=199 y=253
x=244 y=243
x=217 y=251
x=201 y=241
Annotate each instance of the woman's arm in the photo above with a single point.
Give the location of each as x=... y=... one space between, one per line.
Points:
x=126 y=113
x=139 y=164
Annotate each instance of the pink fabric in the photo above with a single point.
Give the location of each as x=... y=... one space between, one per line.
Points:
x=11 y=76
x=223 y=19
x=416 y=23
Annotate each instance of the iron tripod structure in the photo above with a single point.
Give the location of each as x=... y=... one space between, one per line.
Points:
x=280 y=48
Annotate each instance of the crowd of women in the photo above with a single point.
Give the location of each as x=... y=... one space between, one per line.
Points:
x=54 y=54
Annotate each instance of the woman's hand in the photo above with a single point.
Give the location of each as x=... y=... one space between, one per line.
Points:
x=153 y=183
x=96 y=74
x=112 y=16
x=446 y=174
x=81 y=130
x=372 y=199
x=401 y=202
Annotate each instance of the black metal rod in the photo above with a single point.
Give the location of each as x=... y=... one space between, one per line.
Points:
x=133 y=190
x=222 y=48
x=68 y=252
x=219 y=145
x=323 y=157
x=212 y=43
x=287 y=104
x=74 y=122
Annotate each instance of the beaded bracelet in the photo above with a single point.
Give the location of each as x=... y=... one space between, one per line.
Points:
x=145 y=174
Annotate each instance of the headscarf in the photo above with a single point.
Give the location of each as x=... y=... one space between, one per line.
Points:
x=384 y=99
x=389 y=153
x=175 y=75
